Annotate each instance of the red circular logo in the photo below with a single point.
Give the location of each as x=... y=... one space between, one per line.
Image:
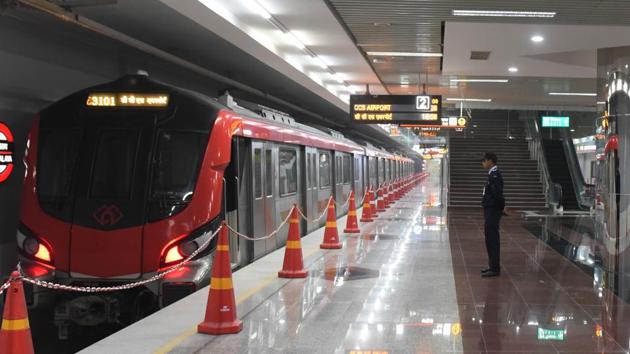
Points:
x=6 y=152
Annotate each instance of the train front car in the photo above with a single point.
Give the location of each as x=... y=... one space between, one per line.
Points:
x=123 y=180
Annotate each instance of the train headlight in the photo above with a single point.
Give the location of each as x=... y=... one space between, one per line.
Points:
x=187 y=248
x=33 y=246
x=35 y=249
x=184 y=246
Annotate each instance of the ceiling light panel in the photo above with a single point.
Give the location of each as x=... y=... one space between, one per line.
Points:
x=404 y=54
x=502 y=81
x=468 y=99
x=587 y=94
x=491 y=13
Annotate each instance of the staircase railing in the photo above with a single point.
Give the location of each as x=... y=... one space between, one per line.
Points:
x=584 y=192
x=553 y=191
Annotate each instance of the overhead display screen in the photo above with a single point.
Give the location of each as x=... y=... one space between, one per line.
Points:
x=555 y=122
x=135 y=99
x=396 y=109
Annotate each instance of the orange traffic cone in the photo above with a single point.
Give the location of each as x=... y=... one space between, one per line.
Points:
x=386 y=196
x=380 y=202
x=392 y=197
x=15 y=333
x=293 y=266
x=221 y=307
x=352 y=224
x=366 y=213
x=331 y=235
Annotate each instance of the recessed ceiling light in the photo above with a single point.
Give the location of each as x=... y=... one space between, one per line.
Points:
x=480 y=80
x=601 y=102
x=572 y=94
x=469 y=99
x=538 y=39
x=403 y=54
x=513 y=69
x=491 y=13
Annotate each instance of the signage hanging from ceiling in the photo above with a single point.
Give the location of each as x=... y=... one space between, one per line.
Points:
x=6 y=152
x=396 y=109
x=555 y=122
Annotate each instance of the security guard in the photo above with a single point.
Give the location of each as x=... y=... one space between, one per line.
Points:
x=493 y=204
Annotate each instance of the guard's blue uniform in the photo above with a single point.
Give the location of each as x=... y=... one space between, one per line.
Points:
x=493 y=203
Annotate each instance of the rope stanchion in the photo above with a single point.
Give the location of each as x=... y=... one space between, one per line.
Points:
x=5 y=286
x=303 y=216
x=272 y=234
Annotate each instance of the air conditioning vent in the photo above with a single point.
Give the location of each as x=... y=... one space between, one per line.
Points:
x=479 y=55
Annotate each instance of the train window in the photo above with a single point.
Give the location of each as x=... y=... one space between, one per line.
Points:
x=357 y=169
x=287 y=161
x=258 y=173
x=324 y=170
x=309 y=171
x=175 y=165
x=114 y=164
x=347 y=169
x=268 y=174
x=57 y=158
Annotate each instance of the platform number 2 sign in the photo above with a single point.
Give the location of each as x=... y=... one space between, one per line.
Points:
x=423 y=103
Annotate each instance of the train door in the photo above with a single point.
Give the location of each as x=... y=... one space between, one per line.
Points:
x=338 y=173
x=112 y=196
x=311 y=186
x=357 y=175
x=263 y=210
x=326 y=183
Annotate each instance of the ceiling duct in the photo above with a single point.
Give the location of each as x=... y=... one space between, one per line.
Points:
x=479 y=55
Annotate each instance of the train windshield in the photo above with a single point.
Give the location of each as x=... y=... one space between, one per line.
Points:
x=176 y=164
x=58 y=155
x=114 y=164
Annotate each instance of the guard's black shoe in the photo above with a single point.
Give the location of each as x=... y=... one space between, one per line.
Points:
x=485 y=270
x=490 y=273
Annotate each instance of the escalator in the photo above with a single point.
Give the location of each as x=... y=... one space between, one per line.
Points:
x=560 y=173
x=564 y=170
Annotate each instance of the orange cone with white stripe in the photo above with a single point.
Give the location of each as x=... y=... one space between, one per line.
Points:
x=352 y=224
x=366 y=212
x=293 y=266
x=15 y=334
x=331 y=235
x=386 y=196
x=221 y=308
x=373 y=200
x=380 y=202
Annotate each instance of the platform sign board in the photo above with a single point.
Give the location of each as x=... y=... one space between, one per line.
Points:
x=550 y=334
x=396 y=109
x=555 y=122
x=6 y=152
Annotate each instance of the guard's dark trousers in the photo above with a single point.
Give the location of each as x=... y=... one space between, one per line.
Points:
x=492 y=217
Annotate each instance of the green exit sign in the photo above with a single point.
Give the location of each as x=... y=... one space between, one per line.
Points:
x=555 y=122
x=550 y=334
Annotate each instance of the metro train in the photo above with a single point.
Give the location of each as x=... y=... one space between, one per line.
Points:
x=128 y=178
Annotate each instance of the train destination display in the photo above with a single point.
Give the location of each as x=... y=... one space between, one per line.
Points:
x=127 y=100
x=396 y=109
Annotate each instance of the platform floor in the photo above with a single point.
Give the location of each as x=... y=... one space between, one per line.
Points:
x=409 y=283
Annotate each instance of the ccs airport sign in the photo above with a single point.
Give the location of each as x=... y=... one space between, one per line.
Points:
x=396 y=109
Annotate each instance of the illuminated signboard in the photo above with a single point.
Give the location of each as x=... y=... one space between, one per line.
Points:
x=550 y=334
x=101 y=99
x=6 y=152
x=396 y=109
x=447 y=122
x=555 y=122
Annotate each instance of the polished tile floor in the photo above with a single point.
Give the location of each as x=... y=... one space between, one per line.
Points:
x=410 y=283
x=541 y=303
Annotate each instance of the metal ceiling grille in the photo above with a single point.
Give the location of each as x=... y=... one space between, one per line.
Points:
x=416 y=25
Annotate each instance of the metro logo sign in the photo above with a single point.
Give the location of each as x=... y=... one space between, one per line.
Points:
x=6 y=152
